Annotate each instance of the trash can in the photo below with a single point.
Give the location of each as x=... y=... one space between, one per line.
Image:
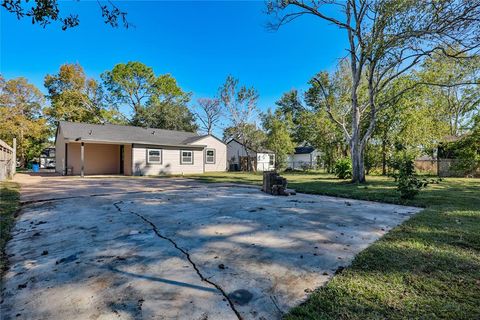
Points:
x=35 y=167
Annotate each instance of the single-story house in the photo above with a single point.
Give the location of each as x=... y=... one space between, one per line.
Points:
x=236 y=154
x=303 y=157
x=89 y=149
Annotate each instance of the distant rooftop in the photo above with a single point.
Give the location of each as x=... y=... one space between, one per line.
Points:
x=304 y=150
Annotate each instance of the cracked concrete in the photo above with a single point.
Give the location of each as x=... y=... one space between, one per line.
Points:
x=133 y=248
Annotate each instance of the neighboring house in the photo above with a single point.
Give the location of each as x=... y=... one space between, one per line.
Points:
x=83 y=148
x=264 y=160
x=304 y=158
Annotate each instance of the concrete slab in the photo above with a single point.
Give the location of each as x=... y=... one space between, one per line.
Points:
x=129 y=248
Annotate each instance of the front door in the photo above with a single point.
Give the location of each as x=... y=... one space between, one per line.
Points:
x=122 y=158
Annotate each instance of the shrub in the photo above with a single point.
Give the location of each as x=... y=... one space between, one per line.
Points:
x=343 y=168
x=407 y=182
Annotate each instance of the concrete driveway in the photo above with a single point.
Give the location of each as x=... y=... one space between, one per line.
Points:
x=143 y=248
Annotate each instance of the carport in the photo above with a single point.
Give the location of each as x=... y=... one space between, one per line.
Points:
x=90 y=158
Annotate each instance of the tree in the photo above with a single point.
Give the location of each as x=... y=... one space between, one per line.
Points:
x=310 y=124
x=241 y=104
x=45 y=12
x=166 y=115
x=386 y=40
x=278 y=137
x=154 y=101
x=209 y=113
x=74 y=97
x=459 y=100
x=21 y=110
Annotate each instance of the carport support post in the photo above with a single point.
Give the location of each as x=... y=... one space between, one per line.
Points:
x=82 y=159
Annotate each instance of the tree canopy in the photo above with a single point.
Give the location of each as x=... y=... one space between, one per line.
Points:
x=154 y=101
x=75 y=97
x=21 y=106
x=45 y=12
x=386 y=39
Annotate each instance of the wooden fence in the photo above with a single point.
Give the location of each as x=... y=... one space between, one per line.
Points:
x=7 y=160
x=443 y=168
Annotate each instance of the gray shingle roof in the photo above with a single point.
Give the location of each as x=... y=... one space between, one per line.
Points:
x=125 y=134
x=304 y=150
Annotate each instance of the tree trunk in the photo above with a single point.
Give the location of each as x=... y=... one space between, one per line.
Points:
x=358 y=164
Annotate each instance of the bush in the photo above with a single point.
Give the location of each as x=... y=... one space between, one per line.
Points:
x=343 y=168
x=407 y=182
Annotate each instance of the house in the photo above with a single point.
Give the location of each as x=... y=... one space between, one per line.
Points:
x=264 y=160
x=303 y=158
x=88 y=149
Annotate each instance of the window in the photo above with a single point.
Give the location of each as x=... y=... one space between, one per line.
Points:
x=272 y=159
x=210 y=156
x=154 y=155
x=186 y=157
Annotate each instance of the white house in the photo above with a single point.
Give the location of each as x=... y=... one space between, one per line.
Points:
x=303 y=157
x=88 y=149
x=264 y=159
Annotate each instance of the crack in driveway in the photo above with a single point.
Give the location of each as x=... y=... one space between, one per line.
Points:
x=186 y=254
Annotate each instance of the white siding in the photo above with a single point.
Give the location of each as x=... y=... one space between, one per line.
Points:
x=59 y=152
x=263 y=162
x=297 y=161
x=170 y=161
x=220 y=153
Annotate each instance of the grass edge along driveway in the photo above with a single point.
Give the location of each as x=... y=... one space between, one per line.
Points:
x=9 y=204
x=426 y=268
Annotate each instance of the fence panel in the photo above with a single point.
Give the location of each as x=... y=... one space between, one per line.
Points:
x=7 y=161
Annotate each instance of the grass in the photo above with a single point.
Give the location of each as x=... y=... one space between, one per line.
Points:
x=9 y=204
x=426 y=268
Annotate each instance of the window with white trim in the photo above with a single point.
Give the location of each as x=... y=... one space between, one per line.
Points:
x=272 y=159
x=186 y=157
x=210 y=156
x=154 y=156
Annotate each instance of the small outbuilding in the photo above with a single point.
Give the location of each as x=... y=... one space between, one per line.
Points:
x=304 y=158
x=96 y=149
x=238 y=155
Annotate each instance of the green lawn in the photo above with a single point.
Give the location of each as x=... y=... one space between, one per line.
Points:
x=427 y=268
x=9 y=204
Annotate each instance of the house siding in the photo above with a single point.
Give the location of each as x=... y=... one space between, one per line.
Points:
x=235 y=150
x=60 y=152
x=263 y=162
x=220 y=154
x=127 y=164
x=170 y=161
x=297 y=161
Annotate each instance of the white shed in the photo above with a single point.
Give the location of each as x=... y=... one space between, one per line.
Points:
x=304 y=157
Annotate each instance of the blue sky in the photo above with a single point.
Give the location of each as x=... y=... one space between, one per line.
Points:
x=199 y=43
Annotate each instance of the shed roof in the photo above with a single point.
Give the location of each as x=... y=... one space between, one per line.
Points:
x=125 y=134
x=304 y=150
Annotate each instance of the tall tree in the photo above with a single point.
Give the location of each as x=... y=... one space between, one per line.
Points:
x=44 y=12
x=74 y=97
x=278 y=139
x=386 y=40
x=209 y=113
x=241 y=104
x=21 y=113
x=154 y=101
